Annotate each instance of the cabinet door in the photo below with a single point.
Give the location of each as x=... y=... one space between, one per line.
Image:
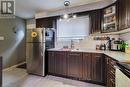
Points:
x=95 y=21
x=97 y=67
x=122 y=14
x=51 y=62
x=60 y=63
x=110 y=72
x=87 y=64
x=48 y=22
x=128 y=13
x=34 y=58
x=105 y=69
x=74 y=61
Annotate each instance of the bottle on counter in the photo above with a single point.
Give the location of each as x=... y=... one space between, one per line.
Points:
x=102 y=47
x=127 y=48
x=123 y=46
x=97 y=47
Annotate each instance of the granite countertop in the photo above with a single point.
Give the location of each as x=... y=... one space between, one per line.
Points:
x=119 y=56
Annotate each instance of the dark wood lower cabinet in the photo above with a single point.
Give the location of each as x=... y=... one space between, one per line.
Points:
x=87 y=66
x=97 y=67
x=110 y=72
x=93 y=67
x=74 y=65
x=60 y=63
x=57 y=63
x=51 y=62
x=77 y=65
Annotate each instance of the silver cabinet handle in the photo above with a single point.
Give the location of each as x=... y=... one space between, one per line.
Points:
x=41 y=51
x=98 y=56
x=74 y=54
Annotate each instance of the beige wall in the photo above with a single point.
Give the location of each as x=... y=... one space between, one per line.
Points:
x=87 y=43
x=12 y=48
x=126 y=37
x=31 y=23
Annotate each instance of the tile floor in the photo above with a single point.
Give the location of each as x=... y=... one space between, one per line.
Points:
x=19 y=78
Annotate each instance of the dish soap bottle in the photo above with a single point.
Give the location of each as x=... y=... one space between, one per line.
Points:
x=127 y=48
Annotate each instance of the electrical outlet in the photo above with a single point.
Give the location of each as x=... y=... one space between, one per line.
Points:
x=1 y=37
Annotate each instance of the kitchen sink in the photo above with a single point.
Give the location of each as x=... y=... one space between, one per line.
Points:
x=75 y=49
x=69 y=49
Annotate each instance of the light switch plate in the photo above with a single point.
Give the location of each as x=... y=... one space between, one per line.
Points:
x=1 y=37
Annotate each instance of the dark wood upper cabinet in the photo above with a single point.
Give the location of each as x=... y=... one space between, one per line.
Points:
x=128 y=13
x=97 y=67
x=87 y=64
x=49 y=22
x=60 y=63
x=123 y=7
x=122 y=13
x=95 y=21
x=122 y=17
x=109 y=19
x=112 y=18
x=74 y=63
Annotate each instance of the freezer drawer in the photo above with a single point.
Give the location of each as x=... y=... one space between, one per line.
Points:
x=35 y=58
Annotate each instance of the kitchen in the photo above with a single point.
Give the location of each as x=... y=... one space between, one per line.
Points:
x=78 y=44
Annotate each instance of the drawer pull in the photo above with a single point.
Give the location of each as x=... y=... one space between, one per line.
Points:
x=98 y=56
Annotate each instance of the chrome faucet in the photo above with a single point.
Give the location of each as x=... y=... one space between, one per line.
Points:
x=72 y=44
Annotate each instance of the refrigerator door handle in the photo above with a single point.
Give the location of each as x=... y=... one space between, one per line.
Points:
x=41 y=51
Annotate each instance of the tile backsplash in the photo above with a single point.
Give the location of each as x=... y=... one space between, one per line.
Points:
x=126 y=37
x=90 y=43
x=87 y=43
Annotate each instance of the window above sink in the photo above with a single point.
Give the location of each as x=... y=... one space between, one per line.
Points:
x=77 y=28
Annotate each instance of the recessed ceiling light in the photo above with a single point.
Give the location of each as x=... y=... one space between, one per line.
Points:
x=66 y=16
x=74 y=16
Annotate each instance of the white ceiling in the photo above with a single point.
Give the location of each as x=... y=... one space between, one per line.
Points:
x=28 y=8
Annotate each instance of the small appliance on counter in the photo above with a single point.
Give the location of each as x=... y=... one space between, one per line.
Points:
x=127 y=48
x=115 y=45
x=102 y=47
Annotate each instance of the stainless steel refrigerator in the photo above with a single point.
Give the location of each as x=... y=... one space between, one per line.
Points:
x=35 y=51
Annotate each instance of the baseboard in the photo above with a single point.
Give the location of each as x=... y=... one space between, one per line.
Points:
x=12 y=67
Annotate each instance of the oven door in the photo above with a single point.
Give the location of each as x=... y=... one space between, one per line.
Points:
x=121 y=79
